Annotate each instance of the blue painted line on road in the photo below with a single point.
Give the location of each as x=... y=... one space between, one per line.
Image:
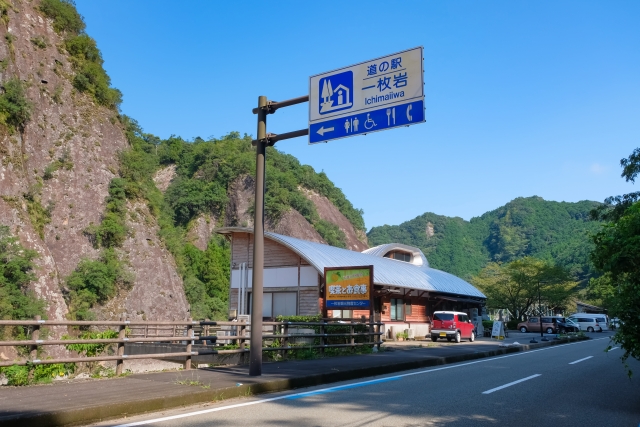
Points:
x=340 y=388
x=273 y=399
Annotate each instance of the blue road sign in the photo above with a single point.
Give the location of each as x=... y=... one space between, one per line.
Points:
x=375 y=95
x=372 y=121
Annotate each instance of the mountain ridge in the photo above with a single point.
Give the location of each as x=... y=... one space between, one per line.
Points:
x=525 y=226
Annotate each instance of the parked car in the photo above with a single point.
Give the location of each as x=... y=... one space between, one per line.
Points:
x=452 y=325
x=533 y=325
x=601 y=319
x=589 y=324
x=564 y=325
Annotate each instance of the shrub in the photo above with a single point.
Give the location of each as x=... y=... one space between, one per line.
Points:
x=331 y=233
x=39 y=41
x=64 y=14
x=63 y=162
x=38 y=214
x=512 y=324
x=16 y=273
x=112 y=230
x=96 y=281
x=35 y=374
x=15 y=108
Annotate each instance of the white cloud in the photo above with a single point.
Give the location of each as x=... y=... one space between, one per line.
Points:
x=597 y=168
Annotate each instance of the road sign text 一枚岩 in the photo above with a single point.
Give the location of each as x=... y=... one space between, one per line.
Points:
x=368 y=97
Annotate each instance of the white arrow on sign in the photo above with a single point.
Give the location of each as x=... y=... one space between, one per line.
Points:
x=322 y=130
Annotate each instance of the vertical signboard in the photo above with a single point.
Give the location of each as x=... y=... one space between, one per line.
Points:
x=348 y=288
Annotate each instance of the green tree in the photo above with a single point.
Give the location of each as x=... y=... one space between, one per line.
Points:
x=515 y=286
x=617 y=254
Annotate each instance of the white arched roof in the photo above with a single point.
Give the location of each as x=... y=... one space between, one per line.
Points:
x=386 y=271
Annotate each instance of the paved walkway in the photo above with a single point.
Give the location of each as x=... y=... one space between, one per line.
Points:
x=84 y=401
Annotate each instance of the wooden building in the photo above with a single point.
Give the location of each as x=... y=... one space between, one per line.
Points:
x=406 y=290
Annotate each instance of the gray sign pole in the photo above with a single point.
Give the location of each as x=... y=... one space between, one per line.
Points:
x=263 y=140
x=255 y=348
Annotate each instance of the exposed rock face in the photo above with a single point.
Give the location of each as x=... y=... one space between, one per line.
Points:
x=201 y=230
x=241 y=196
x=429 y=230
x=293 y=224
x=356 y=241
x=157 y=292
x=164 y=177
x=64 y=123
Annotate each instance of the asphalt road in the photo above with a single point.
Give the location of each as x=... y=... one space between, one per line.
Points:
x=575 y=384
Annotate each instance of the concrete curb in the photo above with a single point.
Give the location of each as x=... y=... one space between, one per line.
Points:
x=106 y=410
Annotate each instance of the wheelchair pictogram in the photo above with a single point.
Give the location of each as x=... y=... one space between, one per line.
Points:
x=369 y=123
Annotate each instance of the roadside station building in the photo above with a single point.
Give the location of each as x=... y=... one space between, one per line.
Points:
x=406 y=290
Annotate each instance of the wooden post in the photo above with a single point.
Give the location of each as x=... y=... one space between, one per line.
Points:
x=187 y=362
x=120 y=351
x=377 y=329
x=371 y=320
x=352 y=329
x=243 y=329
x=285 y=340
x=35 y=335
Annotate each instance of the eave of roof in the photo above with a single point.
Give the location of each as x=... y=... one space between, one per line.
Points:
x=386 y=272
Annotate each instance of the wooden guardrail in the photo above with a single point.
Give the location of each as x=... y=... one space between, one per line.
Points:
x=185 y=331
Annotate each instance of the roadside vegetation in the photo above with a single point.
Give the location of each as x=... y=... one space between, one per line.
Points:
x=617 y=256
x=517 y=285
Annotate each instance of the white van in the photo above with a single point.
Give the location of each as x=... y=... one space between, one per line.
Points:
x=591 y=322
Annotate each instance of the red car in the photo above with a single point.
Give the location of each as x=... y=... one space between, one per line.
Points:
x=452 y=325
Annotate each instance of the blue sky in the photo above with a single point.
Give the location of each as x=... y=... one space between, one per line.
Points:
x=522 y=98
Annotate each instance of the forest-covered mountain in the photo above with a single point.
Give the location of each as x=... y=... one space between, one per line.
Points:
x=531 y=226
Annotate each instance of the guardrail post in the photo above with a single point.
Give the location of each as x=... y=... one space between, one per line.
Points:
x=243 y=331
x=187 y=362
x=370 y=329
x=378 y=336
x=352 y=331
x=35 y=335
x=120 y=352
x=323 y=338
x=285 y=340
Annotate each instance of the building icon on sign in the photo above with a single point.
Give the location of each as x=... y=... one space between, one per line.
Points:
x=336 y=92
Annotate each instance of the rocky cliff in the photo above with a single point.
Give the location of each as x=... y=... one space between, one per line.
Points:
x=78 y=180
x=55 y=171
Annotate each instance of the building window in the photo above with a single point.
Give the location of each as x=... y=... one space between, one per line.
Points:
x=277 y=304
x=344 y=314
x=407 y=308
x=397 y=309
x=400 y=256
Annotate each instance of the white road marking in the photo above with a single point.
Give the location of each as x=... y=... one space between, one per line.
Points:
x=580 y=360
x=289 y=396
x=510 y=384
x=613 y=348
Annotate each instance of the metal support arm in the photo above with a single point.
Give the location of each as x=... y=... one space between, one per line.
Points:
x=272 y=138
